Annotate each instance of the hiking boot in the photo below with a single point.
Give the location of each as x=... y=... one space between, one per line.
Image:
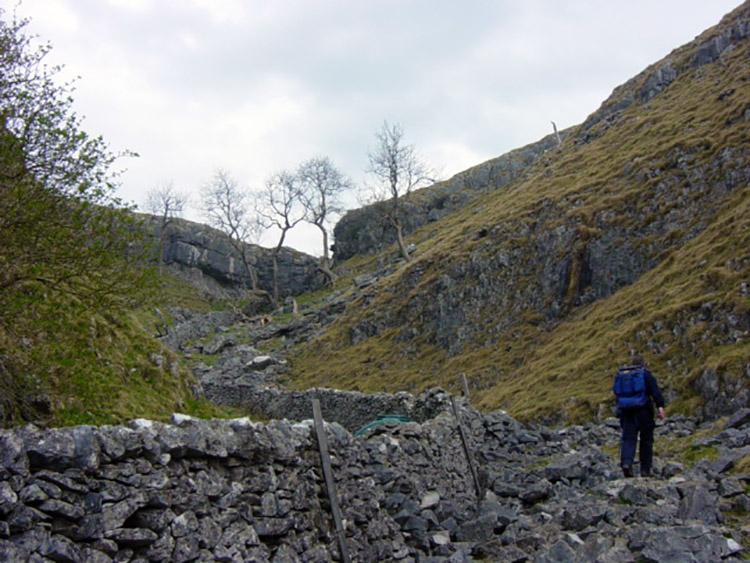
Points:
x=627 y=470
x=645 y=473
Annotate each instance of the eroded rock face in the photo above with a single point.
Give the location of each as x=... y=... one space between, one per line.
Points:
x=654 y=80
x=240 y=491
x=204 y=256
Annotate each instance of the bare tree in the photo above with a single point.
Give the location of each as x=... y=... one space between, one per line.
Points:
x=557 y=135
x=280 y=207
x=397 y=169
x=166 y=202
x=227 y=207
x=321 y=187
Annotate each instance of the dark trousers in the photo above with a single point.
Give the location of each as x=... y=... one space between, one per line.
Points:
x=637 y=424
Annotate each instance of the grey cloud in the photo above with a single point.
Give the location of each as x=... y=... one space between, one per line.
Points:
x=483 y=75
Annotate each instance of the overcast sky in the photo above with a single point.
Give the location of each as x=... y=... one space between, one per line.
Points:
x=259 y=86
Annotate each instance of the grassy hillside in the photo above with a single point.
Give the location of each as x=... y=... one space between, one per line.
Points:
x=660 y=183
x=76 y=342
x=662 y=314
x=67 y=363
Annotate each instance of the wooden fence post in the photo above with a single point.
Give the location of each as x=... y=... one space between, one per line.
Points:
x=466 y=387
x=469 y=458
x=325 y=461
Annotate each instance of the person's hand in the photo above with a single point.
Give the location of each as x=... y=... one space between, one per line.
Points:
x=662 y=415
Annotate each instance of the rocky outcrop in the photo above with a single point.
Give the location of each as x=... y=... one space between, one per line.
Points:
x=655 y=79
x=235 y=490
x=551 y=264
x=365 y=231
x=203 y=256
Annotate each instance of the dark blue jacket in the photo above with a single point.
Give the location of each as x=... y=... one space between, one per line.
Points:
x=643 y=417
x=652 y=388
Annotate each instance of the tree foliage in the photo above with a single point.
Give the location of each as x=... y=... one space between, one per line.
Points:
x=61 y=226
x=69 y=248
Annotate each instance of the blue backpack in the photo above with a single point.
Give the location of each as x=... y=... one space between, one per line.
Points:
x=630 y=387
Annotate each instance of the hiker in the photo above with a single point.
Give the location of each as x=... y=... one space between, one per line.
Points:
x=637 y=391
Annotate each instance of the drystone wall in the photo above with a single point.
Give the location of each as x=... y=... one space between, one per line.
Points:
x=196 y=490
x=350 y=409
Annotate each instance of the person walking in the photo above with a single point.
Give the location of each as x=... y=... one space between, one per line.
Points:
x=637 y=391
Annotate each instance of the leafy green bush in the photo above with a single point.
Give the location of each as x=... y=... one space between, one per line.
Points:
x=71 y=259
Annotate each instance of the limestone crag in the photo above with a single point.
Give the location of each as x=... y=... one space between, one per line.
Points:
x=204 y=256
x=241 y=491
x=520 y=265
x=556 y=262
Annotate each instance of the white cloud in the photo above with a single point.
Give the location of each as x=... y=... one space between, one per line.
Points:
x=49 y=15
x=136 y=5
x=222 y=11
x=188 y=40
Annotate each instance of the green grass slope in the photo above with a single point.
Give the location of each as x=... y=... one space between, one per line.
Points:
x=64 y=362
x=501 y=290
